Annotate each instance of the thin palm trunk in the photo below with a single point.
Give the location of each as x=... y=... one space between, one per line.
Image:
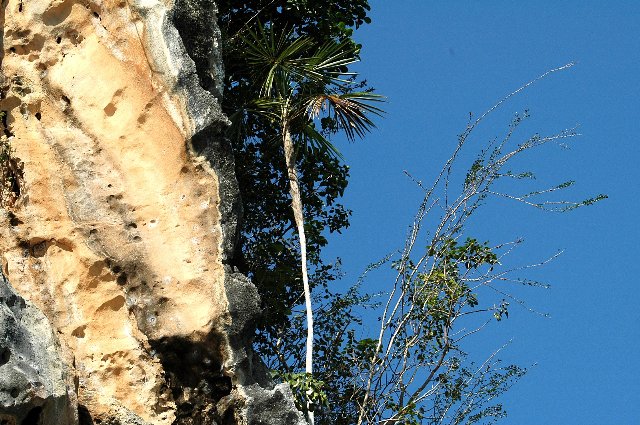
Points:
x=296 y=205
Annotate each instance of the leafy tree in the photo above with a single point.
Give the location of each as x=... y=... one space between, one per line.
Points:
x=268 y=249
x=415 y=370
x=447 y=286
x=318 y=19
x=299 y=80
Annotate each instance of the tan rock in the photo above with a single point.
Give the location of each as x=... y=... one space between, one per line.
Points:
x=116 y=231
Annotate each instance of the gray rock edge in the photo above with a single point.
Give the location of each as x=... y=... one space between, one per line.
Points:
x=35 y=382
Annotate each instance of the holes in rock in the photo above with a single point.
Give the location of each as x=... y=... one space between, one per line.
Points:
x=5 y=356
x=137 y=238
x=93 y=231
x=20 y=85
x=58 y=39
x=116 y=269
x=14 y=220
x=115 y=304
x=79 y=331
x=14 y=392
x=12 y=49
x=20 y=7
x=74 y=37
x=110 y=109
x=38 y=116
x=84 y=417
x=96 y=15
x=39 y=249
x=33 y=417
x=132 y=226
x=96 y=269
x=57 y=13
x=66 y=100
x=122 y=279
x=5 y=125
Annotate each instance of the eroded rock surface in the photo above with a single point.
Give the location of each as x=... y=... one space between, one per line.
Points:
x=123 y=215
x=36 y=384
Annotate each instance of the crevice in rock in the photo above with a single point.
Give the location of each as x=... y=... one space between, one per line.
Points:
x=5 y=355
x=194 y=376
x=84 y=417
x=33 y=417
x=5 y=125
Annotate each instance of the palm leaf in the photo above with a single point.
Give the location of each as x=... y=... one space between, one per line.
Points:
x=273 y=58
x=349 y=110
x=330 y=57
x=312 y=137
x=276 y=58
x=299 y=80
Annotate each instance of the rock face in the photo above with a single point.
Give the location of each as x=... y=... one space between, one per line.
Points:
x=118 y=303
x=37 y=384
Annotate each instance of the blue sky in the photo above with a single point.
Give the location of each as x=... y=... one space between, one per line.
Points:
x=436 y=63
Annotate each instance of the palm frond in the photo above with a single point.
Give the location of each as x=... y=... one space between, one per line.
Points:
x=312 y=137
x=327 y=62
x=299 y=80
x=274 y=57
x=278 y=57
x=273 y=109
x=350 y=110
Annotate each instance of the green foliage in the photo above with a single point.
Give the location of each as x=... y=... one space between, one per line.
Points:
x=299 y=81
x=413 y=369
x=321 y=20
x=460 y=382
x=268 y=250
x=306 y=389
x=341 y=354
x=345 y=356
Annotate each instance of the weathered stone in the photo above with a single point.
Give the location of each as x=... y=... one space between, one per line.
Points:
x=35 y=384
x=124 y=218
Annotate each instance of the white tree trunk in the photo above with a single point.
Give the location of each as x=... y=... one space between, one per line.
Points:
x=296 y=205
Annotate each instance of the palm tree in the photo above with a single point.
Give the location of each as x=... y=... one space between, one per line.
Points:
x=298 y=82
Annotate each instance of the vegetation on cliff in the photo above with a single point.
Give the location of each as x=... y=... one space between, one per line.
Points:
x=268 y=249
x=413 y=368
x=300 y=83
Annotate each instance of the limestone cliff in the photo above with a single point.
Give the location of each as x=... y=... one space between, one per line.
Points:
x=119 y=218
